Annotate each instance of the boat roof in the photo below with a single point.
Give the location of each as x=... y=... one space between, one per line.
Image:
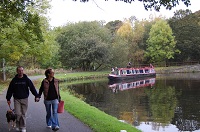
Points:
x=133 y=68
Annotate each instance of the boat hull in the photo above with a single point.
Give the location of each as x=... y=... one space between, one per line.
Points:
x=112 y=77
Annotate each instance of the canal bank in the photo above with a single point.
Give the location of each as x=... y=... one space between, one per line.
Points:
x=75 y=118
x=178 y=69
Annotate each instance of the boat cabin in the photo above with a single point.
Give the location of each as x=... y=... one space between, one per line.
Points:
x=127 y=71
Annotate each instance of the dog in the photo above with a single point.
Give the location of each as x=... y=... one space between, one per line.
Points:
x=11 y=119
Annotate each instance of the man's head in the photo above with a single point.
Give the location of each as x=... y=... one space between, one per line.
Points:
x=20 y=71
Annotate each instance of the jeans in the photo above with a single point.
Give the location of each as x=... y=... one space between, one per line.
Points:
x=52 y=115
x=21 y=106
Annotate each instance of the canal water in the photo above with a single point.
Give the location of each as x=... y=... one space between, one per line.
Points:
x=166 y=103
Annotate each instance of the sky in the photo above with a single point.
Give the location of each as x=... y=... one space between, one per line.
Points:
x=64 y=11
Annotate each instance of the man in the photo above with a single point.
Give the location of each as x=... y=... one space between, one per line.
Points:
x=19 y=89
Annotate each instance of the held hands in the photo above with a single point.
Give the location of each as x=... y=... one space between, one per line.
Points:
x=37 y=99
x=9 y=102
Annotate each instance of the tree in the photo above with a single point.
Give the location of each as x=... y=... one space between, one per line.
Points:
x=125 y=32
x=84 y=45
x=137 y=51
x=186 y=28
x=113 y=26
x=180 y=14
x=119 y=52
x=161 y=43
x=20 y=42
x=12 y=11
x=156 y=4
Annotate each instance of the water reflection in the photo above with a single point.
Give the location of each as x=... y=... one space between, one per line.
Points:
x=129 y=84
x=172 y=104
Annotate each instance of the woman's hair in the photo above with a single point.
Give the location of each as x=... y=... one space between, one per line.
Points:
x=48 y=71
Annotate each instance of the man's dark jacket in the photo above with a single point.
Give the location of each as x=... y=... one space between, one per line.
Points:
x=19 y=88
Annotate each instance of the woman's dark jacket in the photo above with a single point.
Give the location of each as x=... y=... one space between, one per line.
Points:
x=19 y=88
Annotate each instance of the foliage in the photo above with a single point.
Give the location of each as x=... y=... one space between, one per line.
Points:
x=14 y=11
x=119 y=52
x=125 y=33
x=162 y=102
x=156 y=4
x=161 y=43
x=84 y=45
x=186 y=28
x=132 y=34
x=113 y=26
x=29 y=42
x=136 y=50
x=180 y=14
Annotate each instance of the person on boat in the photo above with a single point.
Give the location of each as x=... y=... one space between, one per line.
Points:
x=129 y=65
x=112 y=70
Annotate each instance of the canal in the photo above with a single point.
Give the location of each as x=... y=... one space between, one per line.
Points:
x=166 y=103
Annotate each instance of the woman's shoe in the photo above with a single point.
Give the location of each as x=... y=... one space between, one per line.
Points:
x=55 y=128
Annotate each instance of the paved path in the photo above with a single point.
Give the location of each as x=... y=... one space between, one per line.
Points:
x=36 y=118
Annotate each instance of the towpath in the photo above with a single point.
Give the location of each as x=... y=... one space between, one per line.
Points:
x=36 y=115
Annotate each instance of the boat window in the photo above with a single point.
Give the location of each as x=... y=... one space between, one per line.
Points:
x=141 y=71
x=127 y=71
x=124 y=86
x=141 y=82
x=133 y=71
x=123 y=71
x=137 y=83
x=147 y=81
x=146 y=70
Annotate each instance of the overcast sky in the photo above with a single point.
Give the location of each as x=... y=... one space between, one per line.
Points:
x=64 y=11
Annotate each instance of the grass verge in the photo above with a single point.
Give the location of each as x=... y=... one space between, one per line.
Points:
x=97 y=120
x=81 y=75
x=3 y=85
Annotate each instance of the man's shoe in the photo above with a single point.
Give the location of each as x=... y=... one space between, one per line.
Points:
x=55 y=128
x=23 y=129
x=17 y=129
x=49 y=127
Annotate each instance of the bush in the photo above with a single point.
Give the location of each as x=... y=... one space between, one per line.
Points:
x=10 y=71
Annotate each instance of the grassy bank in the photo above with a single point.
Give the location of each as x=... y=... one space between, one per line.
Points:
x=97 y=120
x=93 y=117
x=81 y=75
x=3 y=85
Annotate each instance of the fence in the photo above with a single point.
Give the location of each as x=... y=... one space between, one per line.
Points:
x=168 y=64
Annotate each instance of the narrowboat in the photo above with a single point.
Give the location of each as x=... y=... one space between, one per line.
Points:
x=131 y=73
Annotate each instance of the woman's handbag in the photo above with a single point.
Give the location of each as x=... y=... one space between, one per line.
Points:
x=61 y=103
x=61 y=107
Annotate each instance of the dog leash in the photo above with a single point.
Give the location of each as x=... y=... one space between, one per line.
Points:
x=9 y=106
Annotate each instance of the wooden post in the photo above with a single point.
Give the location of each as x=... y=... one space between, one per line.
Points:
x=4 y=70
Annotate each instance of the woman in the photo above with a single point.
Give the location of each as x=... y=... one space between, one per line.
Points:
x=50 y=89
